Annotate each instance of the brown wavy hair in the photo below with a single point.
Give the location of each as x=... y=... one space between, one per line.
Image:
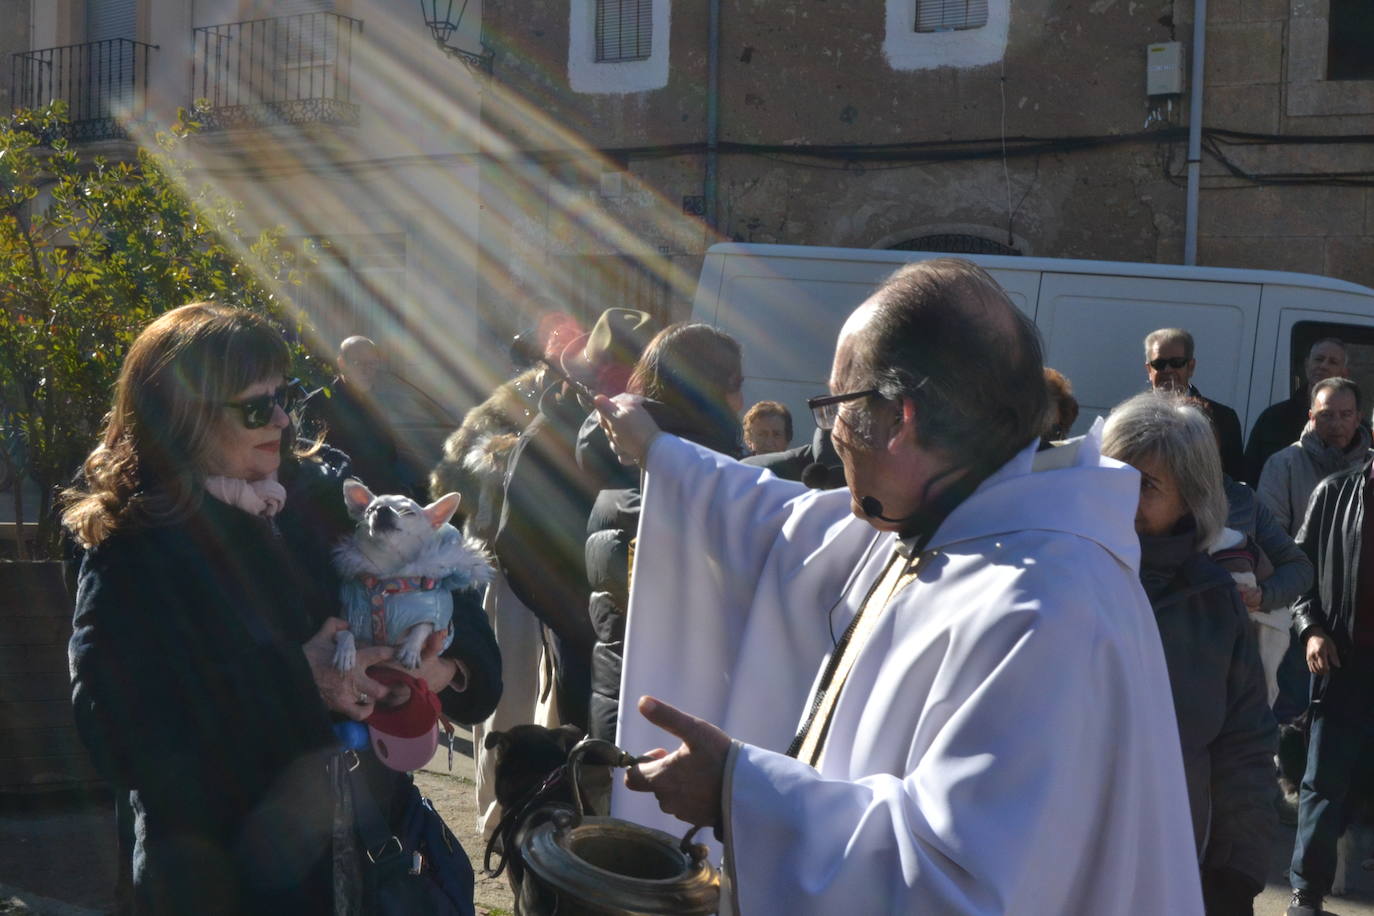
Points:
x=692 y=368
x=148 y=468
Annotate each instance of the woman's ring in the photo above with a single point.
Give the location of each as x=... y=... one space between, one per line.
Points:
x=363 y=699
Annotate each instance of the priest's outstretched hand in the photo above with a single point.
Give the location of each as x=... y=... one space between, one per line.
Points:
x=687 y=781
x=628 y=426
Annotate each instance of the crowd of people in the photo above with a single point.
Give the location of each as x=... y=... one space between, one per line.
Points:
x=944 y=655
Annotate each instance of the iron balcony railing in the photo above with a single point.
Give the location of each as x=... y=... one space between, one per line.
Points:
x=104 y=84
x=287 y=70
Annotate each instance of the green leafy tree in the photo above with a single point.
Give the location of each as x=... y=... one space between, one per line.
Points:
x=90 y=252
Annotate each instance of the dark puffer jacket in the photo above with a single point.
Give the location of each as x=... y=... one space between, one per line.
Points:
x=1225 y=727
x=611 y=530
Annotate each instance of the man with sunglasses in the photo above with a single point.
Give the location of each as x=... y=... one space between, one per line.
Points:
x=1169 y=365
x=937 y=690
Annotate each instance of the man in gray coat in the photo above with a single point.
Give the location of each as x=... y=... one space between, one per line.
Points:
x=1335 y=441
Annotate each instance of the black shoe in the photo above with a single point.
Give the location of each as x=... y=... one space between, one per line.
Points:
x=1305 y=903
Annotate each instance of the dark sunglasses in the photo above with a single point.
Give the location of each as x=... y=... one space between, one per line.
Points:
x=257 y=411
x=1173 y=362
x=826 y=408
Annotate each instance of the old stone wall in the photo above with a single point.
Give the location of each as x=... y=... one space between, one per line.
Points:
x=804 y=74
x=1266 y=64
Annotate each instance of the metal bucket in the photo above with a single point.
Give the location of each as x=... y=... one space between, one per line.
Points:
x=609 y=867
x=604 y=866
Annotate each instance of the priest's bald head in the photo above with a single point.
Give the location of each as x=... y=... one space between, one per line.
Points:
x=937 y=378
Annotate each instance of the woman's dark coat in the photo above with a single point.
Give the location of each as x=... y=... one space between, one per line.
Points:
x=1226 y=730
x=196 y=702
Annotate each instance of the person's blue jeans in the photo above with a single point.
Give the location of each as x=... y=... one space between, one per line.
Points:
x=1342 y=726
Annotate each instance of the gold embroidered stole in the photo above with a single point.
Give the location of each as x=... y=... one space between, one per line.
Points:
x=809 y=744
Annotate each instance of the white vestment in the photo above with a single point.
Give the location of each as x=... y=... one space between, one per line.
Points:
x=1006 y=741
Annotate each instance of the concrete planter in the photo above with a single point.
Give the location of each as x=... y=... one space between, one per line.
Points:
x=39 y=747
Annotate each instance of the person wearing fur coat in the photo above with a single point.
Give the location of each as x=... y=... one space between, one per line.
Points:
x=476 y=453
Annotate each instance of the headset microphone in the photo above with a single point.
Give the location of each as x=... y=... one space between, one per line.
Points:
x=874 y=509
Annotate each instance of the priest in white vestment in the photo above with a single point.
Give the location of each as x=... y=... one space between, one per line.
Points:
x=941 y=691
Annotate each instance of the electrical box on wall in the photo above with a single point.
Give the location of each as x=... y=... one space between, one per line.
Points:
x=1164 y=69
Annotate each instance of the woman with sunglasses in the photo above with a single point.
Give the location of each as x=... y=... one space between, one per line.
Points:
x=205 y=614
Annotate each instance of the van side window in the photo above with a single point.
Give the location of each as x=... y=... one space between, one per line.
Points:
x=1359 y=348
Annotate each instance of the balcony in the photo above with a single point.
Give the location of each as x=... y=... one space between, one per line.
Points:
x=104 y=84
x=267 y=72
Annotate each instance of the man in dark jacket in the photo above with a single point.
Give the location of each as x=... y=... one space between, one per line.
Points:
x=1169 y=365
x=1282 y=424
x=814 y=464
x=541 y=541
x=1335 y=626
x=348 y=416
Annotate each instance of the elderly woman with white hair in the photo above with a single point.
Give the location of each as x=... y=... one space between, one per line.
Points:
x=1227 y=732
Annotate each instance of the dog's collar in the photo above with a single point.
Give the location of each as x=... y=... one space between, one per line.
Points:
x=397 y=584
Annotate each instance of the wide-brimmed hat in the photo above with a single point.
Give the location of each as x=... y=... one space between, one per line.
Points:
x=604 y=357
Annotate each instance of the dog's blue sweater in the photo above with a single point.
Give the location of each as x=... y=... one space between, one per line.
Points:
x=421 y=592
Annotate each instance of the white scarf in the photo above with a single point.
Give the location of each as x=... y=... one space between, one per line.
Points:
x=256 y=497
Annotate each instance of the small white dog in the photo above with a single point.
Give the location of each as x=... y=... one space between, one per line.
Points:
x=400 y=569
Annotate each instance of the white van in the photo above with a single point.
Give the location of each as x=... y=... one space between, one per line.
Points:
x=1253 y=328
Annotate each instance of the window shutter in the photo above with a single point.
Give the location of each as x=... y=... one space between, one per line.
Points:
x=106 y=19
x=624 y=30
x=950 y=15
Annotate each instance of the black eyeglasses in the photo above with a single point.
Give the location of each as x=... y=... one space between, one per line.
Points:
x=1173 y=362
x=257 y=411
x=827 y=407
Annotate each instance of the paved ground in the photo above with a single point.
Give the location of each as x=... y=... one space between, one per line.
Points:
x=57 y=859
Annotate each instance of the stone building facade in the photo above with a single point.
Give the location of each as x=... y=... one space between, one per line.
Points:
x=1267 y=75
x=841 y=123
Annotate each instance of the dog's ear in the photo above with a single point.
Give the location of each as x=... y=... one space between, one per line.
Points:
x=567 y=736
x=356 y=497
x=442 y=509
x=498 y=740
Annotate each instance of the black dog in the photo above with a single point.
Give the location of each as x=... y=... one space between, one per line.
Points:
x=1292 y=756
x=526 y=757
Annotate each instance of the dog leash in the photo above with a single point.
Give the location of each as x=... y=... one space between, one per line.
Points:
x=506 y=828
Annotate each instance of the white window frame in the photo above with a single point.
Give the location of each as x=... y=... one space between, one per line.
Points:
x=907 y=49
x=587 y=75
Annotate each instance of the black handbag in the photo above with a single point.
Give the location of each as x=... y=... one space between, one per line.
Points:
x=416 y=866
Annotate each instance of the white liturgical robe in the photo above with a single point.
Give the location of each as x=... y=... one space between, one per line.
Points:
x=1005 y=742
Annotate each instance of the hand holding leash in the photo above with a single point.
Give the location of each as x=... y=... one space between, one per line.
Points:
x=437 y=672
x=1321 y=653
x=351 y=693
x=687 y=781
